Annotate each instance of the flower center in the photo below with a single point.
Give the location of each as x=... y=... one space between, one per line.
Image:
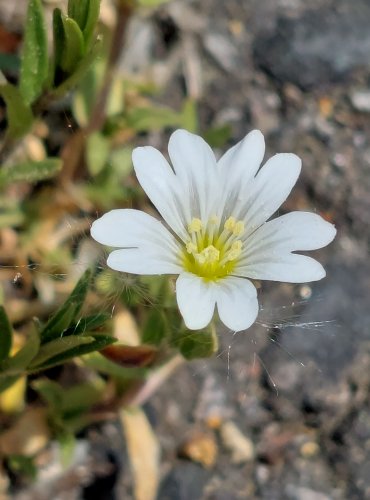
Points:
x=212 y=250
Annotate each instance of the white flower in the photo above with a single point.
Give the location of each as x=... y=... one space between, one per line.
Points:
x=217 y=235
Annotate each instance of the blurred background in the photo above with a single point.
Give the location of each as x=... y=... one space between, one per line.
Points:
x=282 y=411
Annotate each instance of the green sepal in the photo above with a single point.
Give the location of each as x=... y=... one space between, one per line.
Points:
x=34 y=59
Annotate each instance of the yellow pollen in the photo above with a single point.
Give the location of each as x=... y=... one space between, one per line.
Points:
x=195 y=225
x=239 y=228
x=209 y=255
x=230 y=224
x=190 y=247
x=237 y=245
x=214 y=219
x=236 y=249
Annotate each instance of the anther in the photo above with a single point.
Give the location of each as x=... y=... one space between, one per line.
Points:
x=190 y=247
x=195 y=225
x=230 y=224
x=239 y=228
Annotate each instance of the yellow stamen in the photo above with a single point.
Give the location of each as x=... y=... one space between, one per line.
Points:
x=230 y=224
x=212 y=252
x=209 y=255
x=191 y=247
x=239 y=228
x=195 y=225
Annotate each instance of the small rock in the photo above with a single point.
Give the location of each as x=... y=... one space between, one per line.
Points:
x=202 y=448
x=222 y=50
x=360 y=100
x=321 y=46
x=309 y=449
x=241 y=447
x=302 y=493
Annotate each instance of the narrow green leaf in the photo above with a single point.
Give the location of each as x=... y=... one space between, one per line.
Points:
x=19 y=114
x=86 y=14
x=199 y=344
x=66 y=314
x=87 y=324
x=20 y=361
x=92 y=19
x=100 y=341
x=30 y=171
x=58 y=38
x=34 y=59
x=58 y=346
x=73 y=49
x=78 y=10
x=103 y=365
x=6 y=334
x=79 y=71
x=97 y=152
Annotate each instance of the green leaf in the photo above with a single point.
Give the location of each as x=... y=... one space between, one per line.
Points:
x=217 y=137
x=67 y=313
x=58 y=38
x=85 y=325
x=20 y=361
x=82 y=67
x=7 y=381
x=58 y=346
x=86 y=14
x=34 y=59
x=30 y=171
x=103 y=365
x=199 y=344
x=19 y=114
x=190 y=116
x=73 y=47
x=51 y=392
x=82 y=396
x=23 y=466
x=6 y=334
x=100 y=341
x=97 y=152
x=155 y=329
x=153 y=118
x=67 y=444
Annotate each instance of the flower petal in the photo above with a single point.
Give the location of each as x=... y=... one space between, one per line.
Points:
x=161 y=185
x=196 y=168
x=196 y=300
x=269 y=189
x=290 y=232
x=142 y=261
x=241 y=162
x=289 y=268
x=132 y=228
x=237 y=303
